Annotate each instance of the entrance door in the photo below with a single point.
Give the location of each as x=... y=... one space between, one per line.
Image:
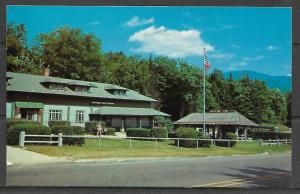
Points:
x=27 y=114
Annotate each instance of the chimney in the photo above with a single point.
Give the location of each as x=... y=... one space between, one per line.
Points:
x=46 y=71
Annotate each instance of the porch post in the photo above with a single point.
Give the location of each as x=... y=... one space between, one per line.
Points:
x=140 y=122
x=237 y=132
x=17 y=113
x=152 y=122
x=245 y=133
x=40 y=115
x=214 y=132
x=122 y=123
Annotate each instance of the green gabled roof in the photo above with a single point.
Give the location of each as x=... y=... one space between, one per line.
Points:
x=109 y=110
x=21 y=82
x=225 y=118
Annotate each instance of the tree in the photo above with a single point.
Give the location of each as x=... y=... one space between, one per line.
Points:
x=70 y=54
x=218 y=88
x=19 y=57
x=188 y=88
x=289 y=109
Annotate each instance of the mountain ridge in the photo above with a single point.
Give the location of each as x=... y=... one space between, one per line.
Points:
x=283 y=83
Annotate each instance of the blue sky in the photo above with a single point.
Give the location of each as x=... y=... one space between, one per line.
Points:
x=255 y=39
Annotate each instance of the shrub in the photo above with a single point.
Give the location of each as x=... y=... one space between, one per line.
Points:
x=14 y=132
x=228 y=135
x=265 y=135
x=110 y=131
x=159 y=132
x=69 y=130
x=91 y=126
x=171 y=134
x=165 y=122
x=11 y=122
x=138 y=132
x=186 y=133
x=58 y=123
x=204 y=143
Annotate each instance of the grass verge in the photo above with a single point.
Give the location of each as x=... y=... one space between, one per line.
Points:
x=120 y=148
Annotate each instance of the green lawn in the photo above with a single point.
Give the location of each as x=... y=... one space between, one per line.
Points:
x=120 y=148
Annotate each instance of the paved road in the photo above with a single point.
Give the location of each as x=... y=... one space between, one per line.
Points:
x=239 y=171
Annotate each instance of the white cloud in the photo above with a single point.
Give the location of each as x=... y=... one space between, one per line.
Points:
x=136 y=21
x=257 y=58
x=242 y=63
x=246 y=59
x=237 y=65
x=226 y=56
x=271 y=48
x=235 y=46
x=170 y=42
x=94 y=23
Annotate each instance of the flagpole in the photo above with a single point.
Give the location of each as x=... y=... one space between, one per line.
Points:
x=204 y=130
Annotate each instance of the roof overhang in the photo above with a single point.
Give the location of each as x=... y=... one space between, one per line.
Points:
x=34 y=105
x=128 y=111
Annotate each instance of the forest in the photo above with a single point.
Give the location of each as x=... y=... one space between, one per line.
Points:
x=177 y=85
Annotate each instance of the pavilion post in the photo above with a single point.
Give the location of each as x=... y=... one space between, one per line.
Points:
x=237 y=133
x=245 y=133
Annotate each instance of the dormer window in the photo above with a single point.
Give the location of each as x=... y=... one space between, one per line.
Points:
x=117 y=91
x=80 y=89
x=57 y=87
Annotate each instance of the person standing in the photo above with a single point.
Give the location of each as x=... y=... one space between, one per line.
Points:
x=99 y=129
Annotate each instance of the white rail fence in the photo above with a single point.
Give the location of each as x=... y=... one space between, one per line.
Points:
x=60 y=136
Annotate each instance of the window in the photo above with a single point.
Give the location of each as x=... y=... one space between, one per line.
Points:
x=79 y=116
x=119 y=92
x=54 y=115
x=30 y=115
x=57 y=87
x=80 y=89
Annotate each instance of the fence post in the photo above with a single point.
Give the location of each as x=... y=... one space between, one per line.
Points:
x=286 y=142
x=155 y=143
x=197 y=143
x=278 y=142
x=269 y=142
x=99 y=143
x=22 y=139
x=260 y=143
x=60 y=140
x=228 y=143
x=178 y=143
x=130 y=143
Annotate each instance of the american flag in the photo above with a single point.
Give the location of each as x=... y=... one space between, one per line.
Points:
x=206 y=63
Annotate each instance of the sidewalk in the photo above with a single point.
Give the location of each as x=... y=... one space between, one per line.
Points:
x=119 y=135
x=19 y=156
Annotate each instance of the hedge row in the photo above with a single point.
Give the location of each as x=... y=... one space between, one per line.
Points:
x=11 y=122
x=138 y=132
x=159 y=132
x=14 y=132
x=15 y=126
x=58 y=123
x=229 y=135
x=69 y=130
x=144 y=132
x=265 y=135
x=91 y=127
x=191 y=133
x=110 y=131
